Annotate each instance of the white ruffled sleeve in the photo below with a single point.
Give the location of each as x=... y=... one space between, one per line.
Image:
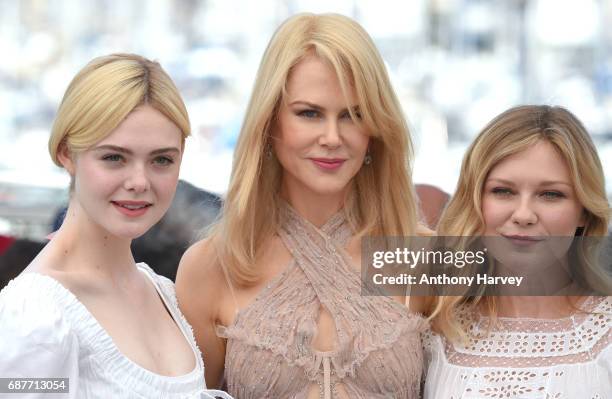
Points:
x=36 y=341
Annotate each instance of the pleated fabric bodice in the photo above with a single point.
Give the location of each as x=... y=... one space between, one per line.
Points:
x=377 y=354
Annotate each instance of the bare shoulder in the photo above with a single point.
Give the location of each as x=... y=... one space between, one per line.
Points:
x=200 y=281
x=199 y=261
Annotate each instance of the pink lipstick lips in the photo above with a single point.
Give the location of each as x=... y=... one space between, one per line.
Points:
x=328 y=163
x=132 y=208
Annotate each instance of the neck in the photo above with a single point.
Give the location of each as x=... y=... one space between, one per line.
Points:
x=539 y=307
x=316 y=208
x=81 y=245
x=551 y=280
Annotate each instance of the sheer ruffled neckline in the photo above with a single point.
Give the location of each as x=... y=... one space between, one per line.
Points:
x=92 y=335
x=377 y=339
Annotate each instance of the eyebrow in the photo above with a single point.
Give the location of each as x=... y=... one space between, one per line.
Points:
x=109 y=147
x=544 y=183
x=318 y=107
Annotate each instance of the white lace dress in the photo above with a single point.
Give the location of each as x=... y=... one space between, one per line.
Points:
x=46 y=332
x=568 y=358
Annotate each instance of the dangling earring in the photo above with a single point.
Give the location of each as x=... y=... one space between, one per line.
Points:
x=368 y=157
x=268 y=150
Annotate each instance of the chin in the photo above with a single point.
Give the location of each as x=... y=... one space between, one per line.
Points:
x=129 y=232
x=334 y=188
x=329 y=191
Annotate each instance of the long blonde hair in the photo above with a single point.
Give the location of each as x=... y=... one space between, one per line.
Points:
x=102 y=95
x=509 y=133
x=382 y=201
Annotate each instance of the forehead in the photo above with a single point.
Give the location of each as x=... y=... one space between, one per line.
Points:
x=539 y=162
x=144 y=127
x=314 y=79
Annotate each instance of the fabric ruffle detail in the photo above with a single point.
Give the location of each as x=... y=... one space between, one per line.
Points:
x=97 y=348
x=346 y=360
x=378 y=351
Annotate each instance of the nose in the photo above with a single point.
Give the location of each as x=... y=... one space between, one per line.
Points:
x=330 y=137
x=137 y=180
x=524 y=214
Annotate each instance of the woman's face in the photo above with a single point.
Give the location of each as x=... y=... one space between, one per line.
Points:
x=316 y=142
x=126 y=182
x=530 y=194
x=528 y=201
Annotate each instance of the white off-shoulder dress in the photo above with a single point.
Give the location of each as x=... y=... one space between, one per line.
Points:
x=45 y=332
x=525 y=358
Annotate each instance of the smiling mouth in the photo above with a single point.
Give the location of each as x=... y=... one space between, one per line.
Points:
x=131 y=204
x=328 y=163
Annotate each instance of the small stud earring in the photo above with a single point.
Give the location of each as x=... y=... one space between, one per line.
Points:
x=368 y=158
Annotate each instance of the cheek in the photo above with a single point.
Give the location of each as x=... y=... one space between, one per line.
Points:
x=356 y=139
x=295 y=137
x=361 y=146
x=494 y=212
x=283 y=153
x=165 y=184
x=566 y=224
x=290 y=148
x=90 y=179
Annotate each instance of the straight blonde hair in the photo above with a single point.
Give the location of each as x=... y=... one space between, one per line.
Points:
x=382 y=200
x=511 y=132
x=103 y=94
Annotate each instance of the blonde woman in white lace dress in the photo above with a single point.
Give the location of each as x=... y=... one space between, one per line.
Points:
x=536 y=174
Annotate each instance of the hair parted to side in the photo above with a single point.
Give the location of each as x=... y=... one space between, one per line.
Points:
x=103 y=94
x=382 y=200
x=509 y=133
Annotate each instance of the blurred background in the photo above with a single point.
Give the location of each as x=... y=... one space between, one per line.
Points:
x=454 y=63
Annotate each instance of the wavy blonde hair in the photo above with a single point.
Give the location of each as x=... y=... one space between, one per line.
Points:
x=102 y=95
x=509 y=133
x=382 y=200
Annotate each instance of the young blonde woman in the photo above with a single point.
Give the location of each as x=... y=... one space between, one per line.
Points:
x=530 y=177
x=274 y=292
x=83 y=310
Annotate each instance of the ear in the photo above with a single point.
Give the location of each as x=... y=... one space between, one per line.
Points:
x=66 y=158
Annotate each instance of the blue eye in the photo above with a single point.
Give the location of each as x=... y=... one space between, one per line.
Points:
x=308 y=113
x=163 y=161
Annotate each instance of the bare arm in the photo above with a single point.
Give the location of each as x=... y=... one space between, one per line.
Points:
x=200 y=288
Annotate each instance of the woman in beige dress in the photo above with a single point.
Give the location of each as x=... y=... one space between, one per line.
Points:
x=274 y=292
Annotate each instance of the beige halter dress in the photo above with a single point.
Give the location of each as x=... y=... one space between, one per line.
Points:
x=378 y=352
